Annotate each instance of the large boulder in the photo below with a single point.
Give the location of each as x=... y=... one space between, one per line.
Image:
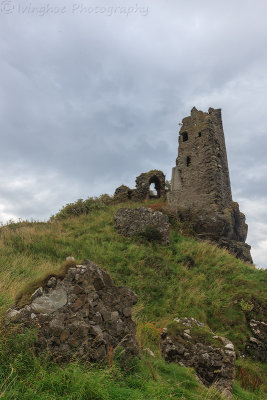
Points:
x=190 y=343
x=81 y=314
x=130 y=222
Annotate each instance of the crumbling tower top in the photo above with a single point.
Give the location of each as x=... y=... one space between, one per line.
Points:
x=201 y=176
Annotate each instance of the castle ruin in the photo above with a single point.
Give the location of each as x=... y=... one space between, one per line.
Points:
x=201 y=176
x=200 y=184
x=200 y=195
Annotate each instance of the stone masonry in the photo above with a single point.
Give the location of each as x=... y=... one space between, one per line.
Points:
x=144 y=182
x=144 y=187
x=200 y=186
x=201 y=176
x=132 y=221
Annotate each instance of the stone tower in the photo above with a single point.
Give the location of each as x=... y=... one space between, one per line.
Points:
x=201 y=176
x=200 y=192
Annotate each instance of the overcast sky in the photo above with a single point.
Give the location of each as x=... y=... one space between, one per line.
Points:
x=91 y=94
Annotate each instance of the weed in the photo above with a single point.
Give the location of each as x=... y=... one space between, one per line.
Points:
x=248 y=381
x=246 y=306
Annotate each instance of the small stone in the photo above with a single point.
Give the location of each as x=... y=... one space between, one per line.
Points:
x=96 y=330
x=78 y=290
x=106 y=315
x=149 y=352
x=56 y=327
x=127 y=312
x=78 y=303
x=52 y=282
x=100 y=353
x=253 y=340
x=119 y=326
x=70 y=258
x=114 y=316
x=38 y=292
x=186 y=336
x=13 y=315
x=97 y=318
x=205 y=357
x=64 y=336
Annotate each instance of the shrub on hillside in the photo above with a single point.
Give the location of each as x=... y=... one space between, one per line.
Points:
x=83 y=207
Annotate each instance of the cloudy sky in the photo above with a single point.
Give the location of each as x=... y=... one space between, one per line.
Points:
x=91 y=94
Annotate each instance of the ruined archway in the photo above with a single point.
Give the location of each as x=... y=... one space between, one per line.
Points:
x=150 y=185
x=154 y=187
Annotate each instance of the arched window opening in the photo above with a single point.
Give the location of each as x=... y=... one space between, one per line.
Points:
x=188 y=161
x=154 y=187
x=199 y=134
x=185 y=136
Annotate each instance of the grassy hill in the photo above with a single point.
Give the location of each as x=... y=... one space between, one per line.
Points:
x=187 y=278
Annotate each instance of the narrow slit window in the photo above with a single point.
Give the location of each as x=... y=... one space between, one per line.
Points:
x=199 y=134
x=188 y=161
x=185 y=136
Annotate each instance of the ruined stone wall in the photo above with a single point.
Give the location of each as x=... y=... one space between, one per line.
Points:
x=146 y=184
x=144 y=181
x=200 y=186
x=201 y=176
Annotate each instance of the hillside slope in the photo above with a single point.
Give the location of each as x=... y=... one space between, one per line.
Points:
x=186 y=278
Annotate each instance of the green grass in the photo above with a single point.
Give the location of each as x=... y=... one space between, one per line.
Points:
x=24 y=376
x=213 y=288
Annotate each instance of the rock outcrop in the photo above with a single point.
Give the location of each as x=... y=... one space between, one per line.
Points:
x=82 y=314
x=130 y=222
x=192 y=344
x=257 y=344
x=226 y=227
